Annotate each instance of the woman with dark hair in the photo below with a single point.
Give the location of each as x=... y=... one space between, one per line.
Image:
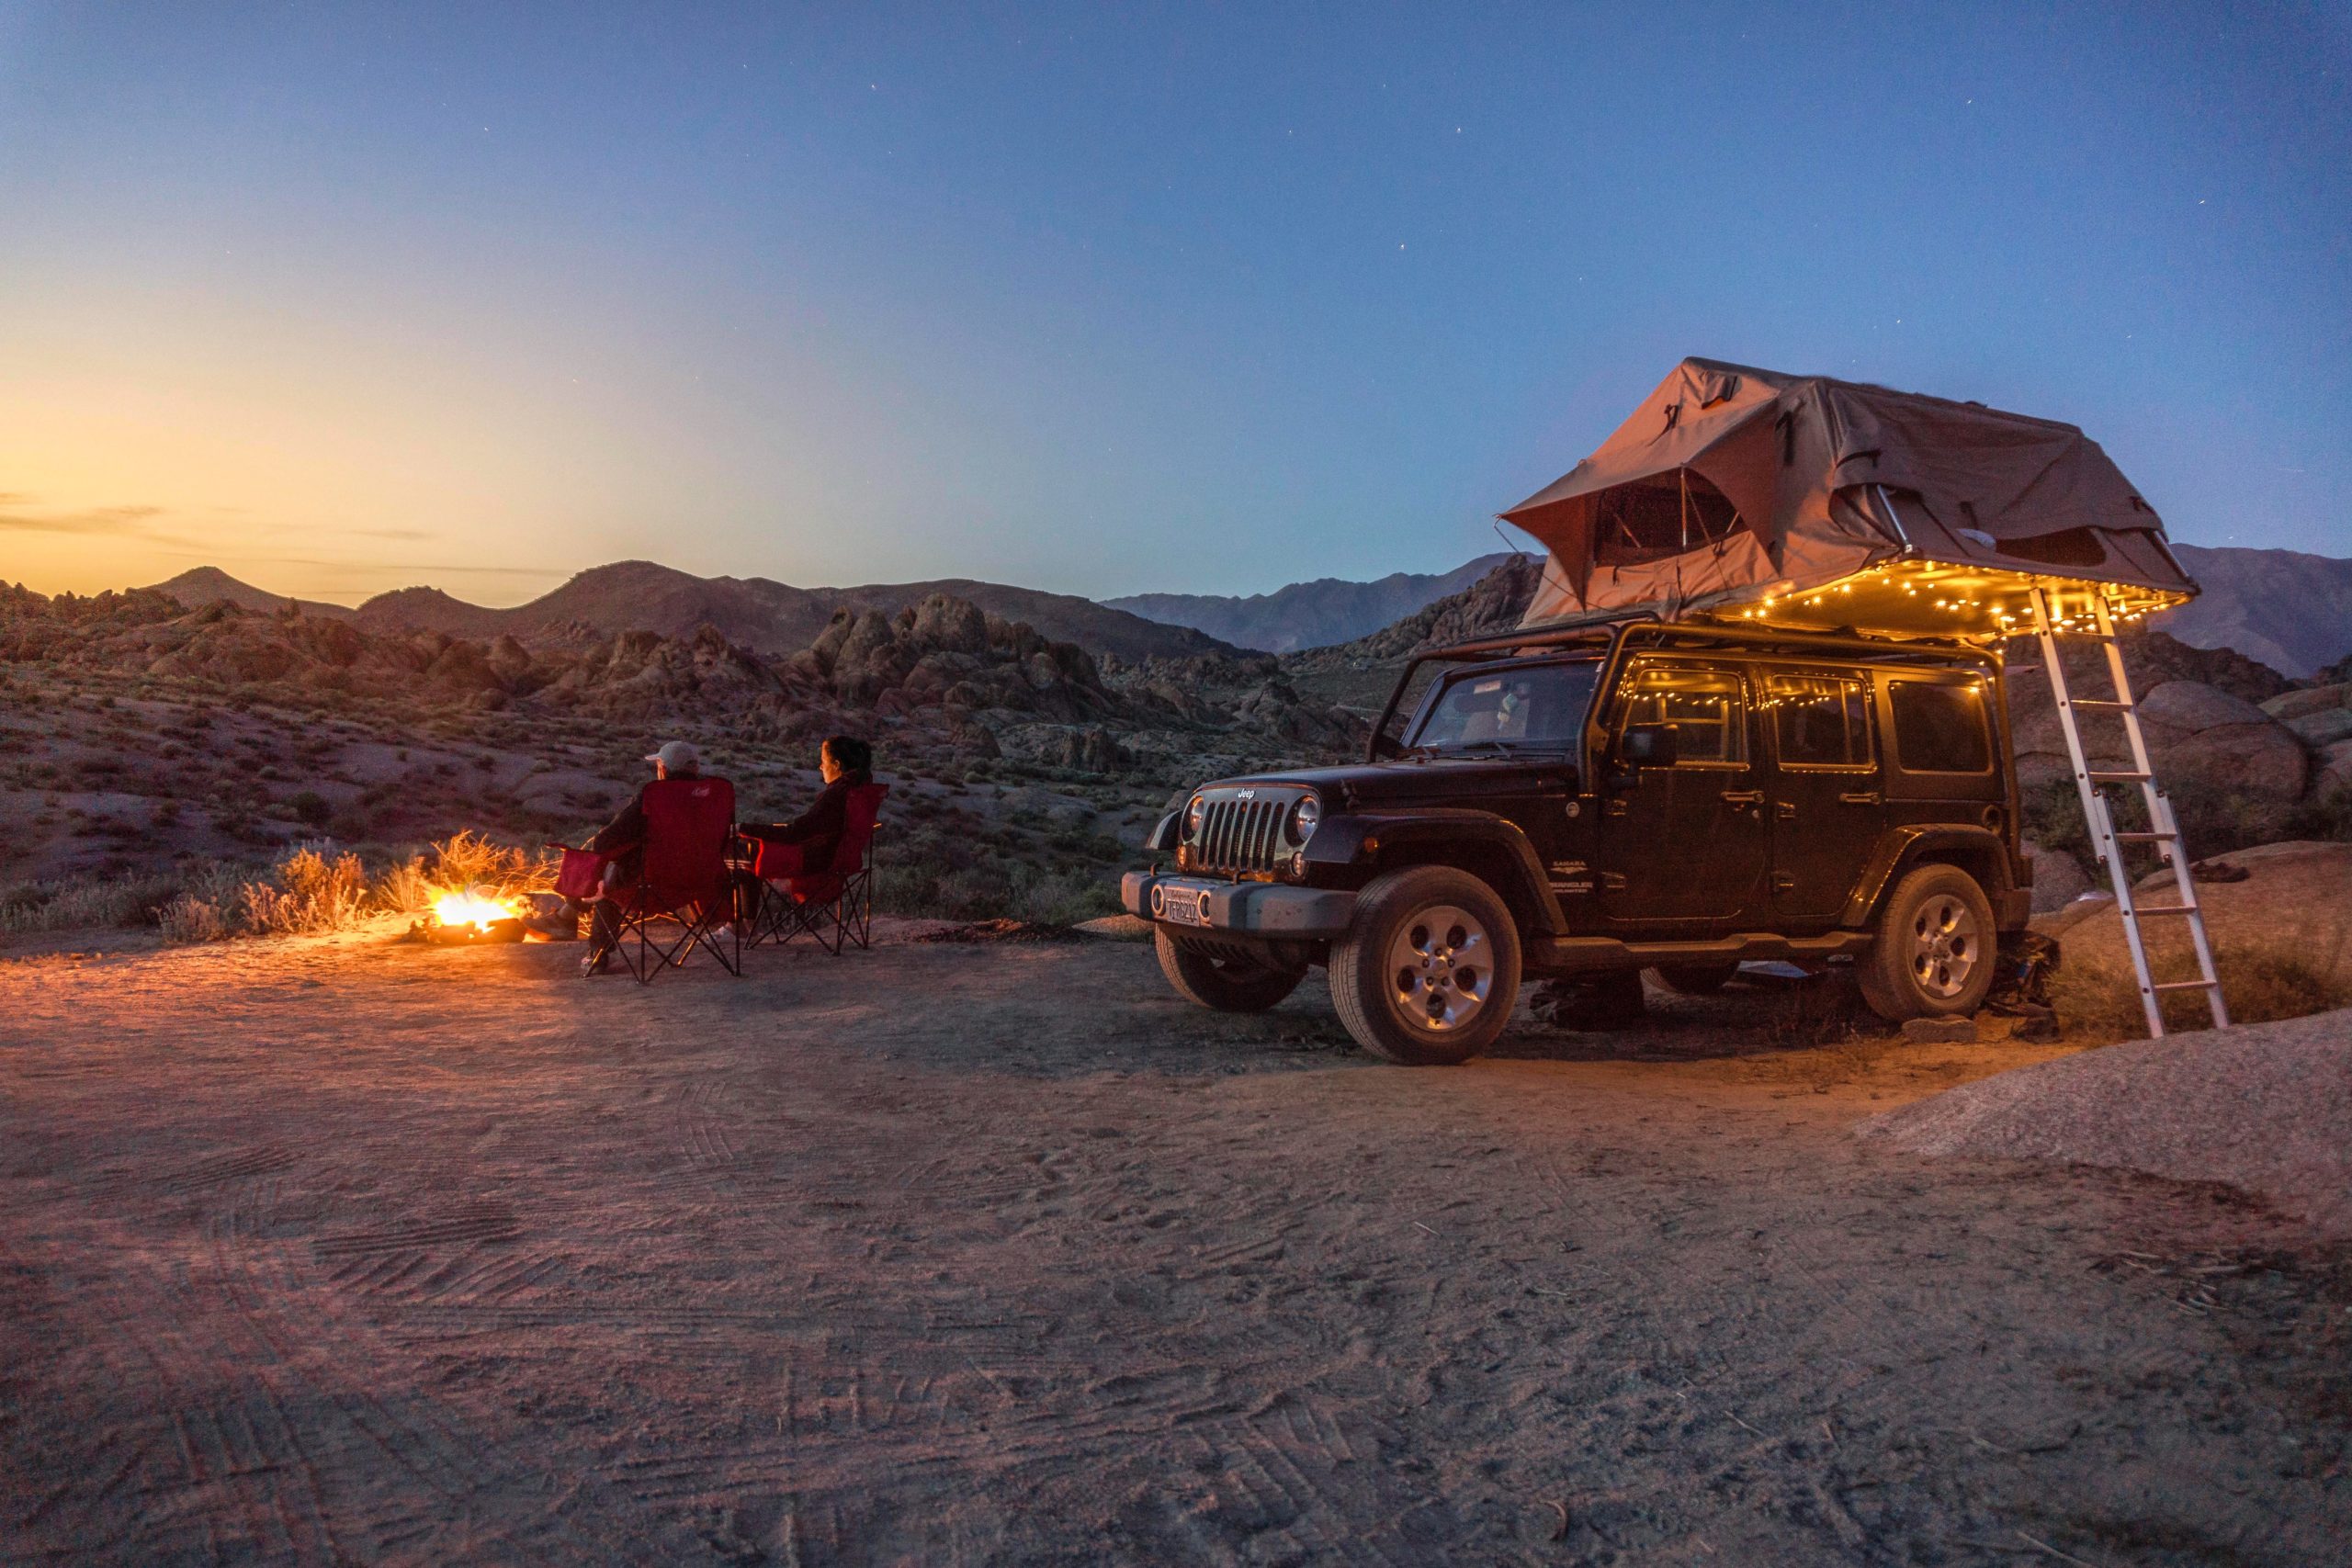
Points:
x=846 y=762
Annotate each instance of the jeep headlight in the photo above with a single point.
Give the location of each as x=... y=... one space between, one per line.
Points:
x=1303 y=819
x=1193 y=815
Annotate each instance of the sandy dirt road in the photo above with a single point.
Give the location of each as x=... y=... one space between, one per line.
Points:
x=337 y=1250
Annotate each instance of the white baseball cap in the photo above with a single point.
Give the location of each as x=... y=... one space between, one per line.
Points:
x=677 y=757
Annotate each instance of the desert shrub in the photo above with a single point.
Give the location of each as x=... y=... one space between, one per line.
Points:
x=945 y=875
x=71 y=904
x=312 y=807
x=305 y=892
x=2213 y=822
x=188 y=919
x=2324 y=817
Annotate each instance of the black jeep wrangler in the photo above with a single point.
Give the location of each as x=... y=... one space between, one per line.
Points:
x=1676 y=797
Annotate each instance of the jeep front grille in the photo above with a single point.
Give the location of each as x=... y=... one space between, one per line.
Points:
x=1243 y=838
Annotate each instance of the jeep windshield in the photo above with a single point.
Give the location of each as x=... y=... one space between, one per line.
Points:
x=1511 y=707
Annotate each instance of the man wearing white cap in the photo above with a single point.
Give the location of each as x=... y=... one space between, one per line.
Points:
x=624 y=839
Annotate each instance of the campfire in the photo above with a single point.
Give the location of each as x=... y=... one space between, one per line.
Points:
x=468 y=915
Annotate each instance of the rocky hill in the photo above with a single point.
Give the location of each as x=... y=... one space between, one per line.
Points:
x=767 y=616
x=951 y=676
x=210 y=585
x=1493 y=603
x=1308 y=615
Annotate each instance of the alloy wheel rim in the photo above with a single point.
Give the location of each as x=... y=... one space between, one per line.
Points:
x=1440 y=969
x=1945 y=947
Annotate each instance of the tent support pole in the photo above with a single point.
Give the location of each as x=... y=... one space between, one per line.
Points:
x=1894 y=521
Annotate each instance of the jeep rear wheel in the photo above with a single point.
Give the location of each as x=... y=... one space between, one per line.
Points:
x=1228 y=984
x=1429 y=970
x=1933 y=957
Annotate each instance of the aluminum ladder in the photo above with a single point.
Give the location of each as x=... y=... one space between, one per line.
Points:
x=2163 y=830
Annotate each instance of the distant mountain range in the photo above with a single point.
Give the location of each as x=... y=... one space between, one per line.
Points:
x=764 y=615
x=1308 y=615
x=2291 y=611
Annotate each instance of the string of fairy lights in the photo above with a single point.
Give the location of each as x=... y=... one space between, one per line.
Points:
x=1967 y=603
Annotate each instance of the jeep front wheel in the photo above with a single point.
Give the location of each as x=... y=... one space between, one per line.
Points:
x=1933 y=957
x=1428 y=972
x=1228 y=984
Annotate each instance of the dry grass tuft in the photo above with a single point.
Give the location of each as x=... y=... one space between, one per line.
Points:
x=2261 y=984
x=306 y=892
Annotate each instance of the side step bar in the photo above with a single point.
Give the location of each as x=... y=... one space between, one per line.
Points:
x=1584 y=955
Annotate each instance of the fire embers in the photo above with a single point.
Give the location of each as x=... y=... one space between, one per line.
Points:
x=470 y=917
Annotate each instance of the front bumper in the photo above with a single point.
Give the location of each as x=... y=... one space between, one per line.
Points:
x=1252 y=909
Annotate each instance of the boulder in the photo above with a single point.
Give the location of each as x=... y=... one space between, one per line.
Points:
x=2334 y=773
x=2260 y=761
x=973 y=739
x=2202 y=737
x=2290 y=706
x=2322 y=728
x=510 y=658
x=943 y=624
x=2058 y=878
x=1090 y=751
x=2191 y=707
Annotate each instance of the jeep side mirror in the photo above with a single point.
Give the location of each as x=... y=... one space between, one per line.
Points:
x=1384 y=746
x=1650 y=746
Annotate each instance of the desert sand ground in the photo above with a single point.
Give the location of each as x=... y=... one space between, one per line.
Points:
x=342 y=1250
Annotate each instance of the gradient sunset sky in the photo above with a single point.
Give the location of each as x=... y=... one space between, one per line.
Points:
x=1108 y=299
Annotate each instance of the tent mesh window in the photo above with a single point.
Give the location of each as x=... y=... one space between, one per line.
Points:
x=2068 y=547
x=1662 y=517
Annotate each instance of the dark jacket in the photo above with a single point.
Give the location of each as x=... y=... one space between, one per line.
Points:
x=625 y=833
x=816 y=830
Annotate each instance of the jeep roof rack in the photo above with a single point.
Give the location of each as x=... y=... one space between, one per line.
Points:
x=1709 y=631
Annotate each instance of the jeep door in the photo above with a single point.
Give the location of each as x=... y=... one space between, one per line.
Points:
x=1828 y=797
x=1685 y=843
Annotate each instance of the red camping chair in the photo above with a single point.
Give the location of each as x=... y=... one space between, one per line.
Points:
x=833 y=905
x=682 y=880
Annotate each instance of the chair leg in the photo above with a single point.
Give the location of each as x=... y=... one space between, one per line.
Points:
x=835 y=932
x=651 y=956
x=863 y=910
x=707 y=934
x=775 y=917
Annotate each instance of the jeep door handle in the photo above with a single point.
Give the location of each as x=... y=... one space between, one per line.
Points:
x=1864 y=797
x=1743 y=797
x=1785 y=810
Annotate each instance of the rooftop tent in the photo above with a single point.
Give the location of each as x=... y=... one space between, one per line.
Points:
x=1804 y=500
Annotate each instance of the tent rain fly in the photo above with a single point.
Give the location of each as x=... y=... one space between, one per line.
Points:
x=1805 y=502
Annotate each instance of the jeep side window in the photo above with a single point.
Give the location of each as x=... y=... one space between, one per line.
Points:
x=1940 y=726
x=1820 y=721
x=1705 y=707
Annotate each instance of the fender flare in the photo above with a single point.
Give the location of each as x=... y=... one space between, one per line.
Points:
x=1361 y=839
x=1899 y=849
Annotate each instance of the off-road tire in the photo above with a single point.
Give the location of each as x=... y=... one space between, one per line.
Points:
x=1695 y=979
x=1381 y=950
x=1224 y=984
x=1907 y=973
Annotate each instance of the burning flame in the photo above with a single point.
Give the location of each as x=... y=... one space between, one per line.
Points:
x=474 y=906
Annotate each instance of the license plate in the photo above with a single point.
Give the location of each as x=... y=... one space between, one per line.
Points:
x=1181 y=906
